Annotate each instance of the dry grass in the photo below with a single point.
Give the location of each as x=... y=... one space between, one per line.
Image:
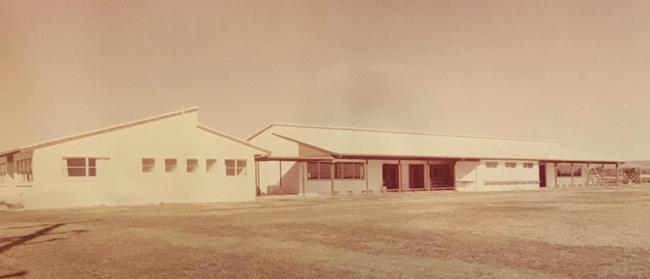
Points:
x=601 y=233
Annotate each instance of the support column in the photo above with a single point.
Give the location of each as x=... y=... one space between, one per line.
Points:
x=399 y=175
x=555 y=175
x=365 y=175
x=572 y=184
x=427 y=176
x=616 y=175
x=332 y=177
x=303 y=174
x=280 y=168
x=257 y=179
x=602 y=171
x=588 y=174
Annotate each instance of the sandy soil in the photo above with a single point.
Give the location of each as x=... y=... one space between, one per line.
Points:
x=603 y=233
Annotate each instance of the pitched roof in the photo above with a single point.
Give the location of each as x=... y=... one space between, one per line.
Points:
x=109 y=129
x=127 y=125
x=233 y=138
x=372 y=142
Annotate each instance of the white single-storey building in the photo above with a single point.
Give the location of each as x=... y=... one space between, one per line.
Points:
x=173 y=158
x=165 y=158
x=333 y=160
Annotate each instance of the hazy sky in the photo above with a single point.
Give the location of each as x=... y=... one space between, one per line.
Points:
x=574 y=71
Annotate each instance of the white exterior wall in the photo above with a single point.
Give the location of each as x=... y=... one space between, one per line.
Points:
x=375 y=174
x=475 y=176
x=120 y=179
x=269 y=172
x=550 y=175
x=466 y=175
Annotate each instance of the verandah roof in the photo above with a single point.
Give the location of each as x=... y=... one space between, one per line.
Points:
x=367 y=142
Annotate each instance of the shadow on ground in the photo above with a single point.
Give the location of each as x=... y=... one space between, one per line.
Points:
x=8 y=243
x=13 y=275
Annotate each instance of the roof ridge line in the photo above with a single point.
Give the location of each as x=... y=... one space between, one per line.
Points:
x=231 y=137
x=109 y=128
x=399 y=132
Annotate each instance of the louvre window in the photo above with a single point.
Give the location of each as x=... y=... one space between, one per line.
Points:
x=24 y=170
x=192 y=165
x=211 y=165
x=3 y=172
x=81 y=166
x=235 y=167
x=148 y=164
x=170 y=165
x=345 y=170
x=319 y=170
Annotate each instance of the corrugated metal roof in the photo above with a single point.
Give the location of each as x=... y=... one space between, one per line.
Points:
x=370 y=142
x=127 y=125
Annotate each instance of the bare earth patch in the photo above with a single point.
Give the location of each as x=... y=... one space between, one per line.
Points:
x=598 y=233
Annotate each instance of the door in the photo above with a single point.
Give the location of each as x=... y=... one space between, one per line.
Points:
x=390 y=173
x=542 y=175
x=416 y=176
x=441 y=176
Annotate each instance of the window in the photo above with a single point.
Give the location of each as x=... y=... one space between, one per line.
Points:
x=24 y=170
x=319 y=170
x=577 y=171
x=76 y=166
x=211 y=165
x=3 y=172
x=148 y=164
x=80 y=166
x=348 y=170
x=192 y=165
x=528 y=165
x=170 y=165
x=491 y=164
x=564 y=170
x=511 y=165
x=235 y=167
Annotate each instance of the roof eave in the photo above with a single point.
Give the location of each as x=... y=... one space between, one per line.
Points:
x=233 y=138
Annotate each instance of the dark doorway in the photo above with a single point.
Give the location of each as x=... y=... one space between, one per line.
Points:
x=390 y=173
x=416 y=176
x=542 y=175
x=441 y=176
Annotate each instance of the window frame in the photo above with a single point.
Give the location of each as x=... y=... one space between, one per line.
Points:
x=239 y=167
x=491 y=164
x=89 y=167
x=3 y=173
x=319 y=170
x=167 y=165
x=510 y=165
x=148 y=168
x=24 y=170
x=575 y=171
x=355 y=171
x=196 y=165
x=528 y=165
x=211 y=165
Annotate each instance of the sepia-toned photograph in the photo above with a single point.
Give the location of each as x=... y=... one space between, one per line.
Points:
x=324 y=139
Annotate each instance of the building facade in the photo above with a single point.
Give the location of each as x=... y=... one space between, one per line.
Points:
x=325 y=160
x=171 y=158
x=166 y=158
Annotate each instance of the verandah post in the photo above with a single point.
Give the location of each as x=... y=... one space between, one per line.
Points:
x=365 y=174
x=332 y=177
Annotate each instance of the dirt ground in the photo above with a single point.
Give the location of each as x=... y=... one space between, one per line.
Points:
x=601 y=233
